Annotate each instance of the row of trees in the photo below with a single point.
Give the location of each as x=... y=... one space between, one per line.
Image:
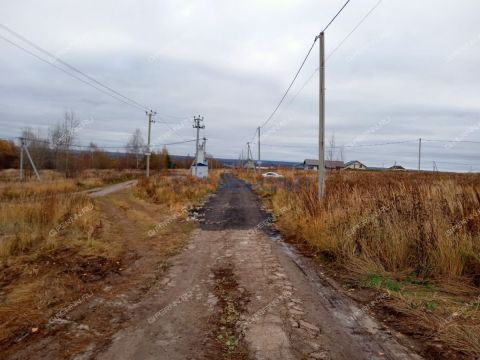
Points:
x=58 y=151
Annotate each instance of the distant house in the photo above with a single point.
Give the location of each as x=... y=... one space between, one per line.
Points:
x=397 y=167
x=312 y=164
x=355 y=165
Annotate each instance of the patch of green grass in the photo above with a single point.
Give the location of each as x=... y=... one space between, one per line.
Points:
x=420 y=282
x=430 y=305
x=379 y=281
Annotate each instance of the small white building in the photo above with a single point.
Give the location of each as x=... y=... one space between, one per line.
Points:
x=201 y=167
x=355 y=165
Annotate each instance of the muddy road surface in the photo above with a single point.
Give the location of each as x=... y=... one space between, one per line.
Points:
x=231 y=288
x=237 y=292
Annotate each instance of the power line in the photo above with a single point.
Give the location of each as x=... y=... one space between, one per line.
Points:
x=120 y=97
x=254 y=135
x=341 y=146
x=291 y=83
x=67 y=72
x=300 y=68
x=453 y=141
x=104 y=147
x=379 y=144
x=338 y=13
x=31 y=43
x=316 y=70
x=336 y=48
x=354 y=29
x=454 y=163
x=130 y=147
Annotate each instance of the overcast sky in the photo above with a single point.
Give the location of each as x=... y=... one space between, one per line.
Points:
x=410 y=70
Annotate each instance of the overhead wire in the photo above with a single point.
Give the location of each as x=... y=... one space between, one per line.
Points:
x=67 y=72
x=353 y=30
x=71 y=67
x=452 y=141
x=105 y=89
x=291 y=84
x=77 y=146
x=331 y=53
x=336 y=15
x=342 y=146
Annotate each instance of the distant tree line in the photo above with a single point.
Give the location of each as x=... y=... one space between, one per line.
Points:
x=57 y=151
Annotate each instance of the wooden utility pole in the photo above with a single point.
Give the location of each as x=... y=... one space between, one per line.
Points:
x=321 y=119
x=148 y=153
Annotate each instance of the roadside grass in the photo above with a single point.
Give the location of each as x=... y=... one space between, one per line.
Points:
x=175 y=192
x=37 y=216
x=58 y=248
x=28 y=190
x=33 y=227
x=413 y=235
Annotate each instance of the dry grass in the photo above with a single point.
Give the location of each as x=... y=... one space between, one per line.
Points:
x=411 y=234
x=10 y=190
x=37 y=216
x=176 y=191
x=58 y=248
x=27 y=227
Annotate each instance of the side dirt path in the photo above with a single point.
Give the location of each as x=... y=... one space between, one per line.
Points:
x=236 y=293
x=107 y=289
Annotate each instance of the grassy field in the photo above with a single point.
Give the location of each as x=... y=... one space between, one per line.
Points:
x=413 y=235
x=36 y=216
x=56 y=245
x=177 y=190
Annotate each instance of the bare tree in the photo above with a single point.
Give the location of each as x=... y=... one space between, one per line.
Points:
x=136 y=145
x=331 y=148
x=341 y=154
x=62 y=136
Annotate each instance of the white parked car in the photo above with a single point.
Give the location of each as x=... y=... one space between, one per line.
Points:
x=271 y=174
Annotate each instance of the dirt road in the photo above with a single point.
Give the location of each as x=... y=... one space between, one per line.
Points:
x=109 y=189
x=237 y=292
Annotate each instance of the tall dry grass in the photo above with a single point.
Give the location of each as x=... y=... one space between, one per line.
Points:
x=425 y=223
x=32 y=226
x=415 y=235
x=175 y=191
x=36 y=216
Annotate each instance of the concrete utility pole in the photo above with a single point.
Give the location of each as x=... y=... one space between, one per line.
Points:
x=250 y=156
x=259 y=159
x=419 y=152
x=148 y=153
x=321 y=119
x=196 y=125
x=23 y=148
x=21 y=159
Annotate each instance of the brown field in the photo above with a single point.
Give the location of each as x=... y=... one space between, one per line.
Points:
x=414 y=236
x=55 y=245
